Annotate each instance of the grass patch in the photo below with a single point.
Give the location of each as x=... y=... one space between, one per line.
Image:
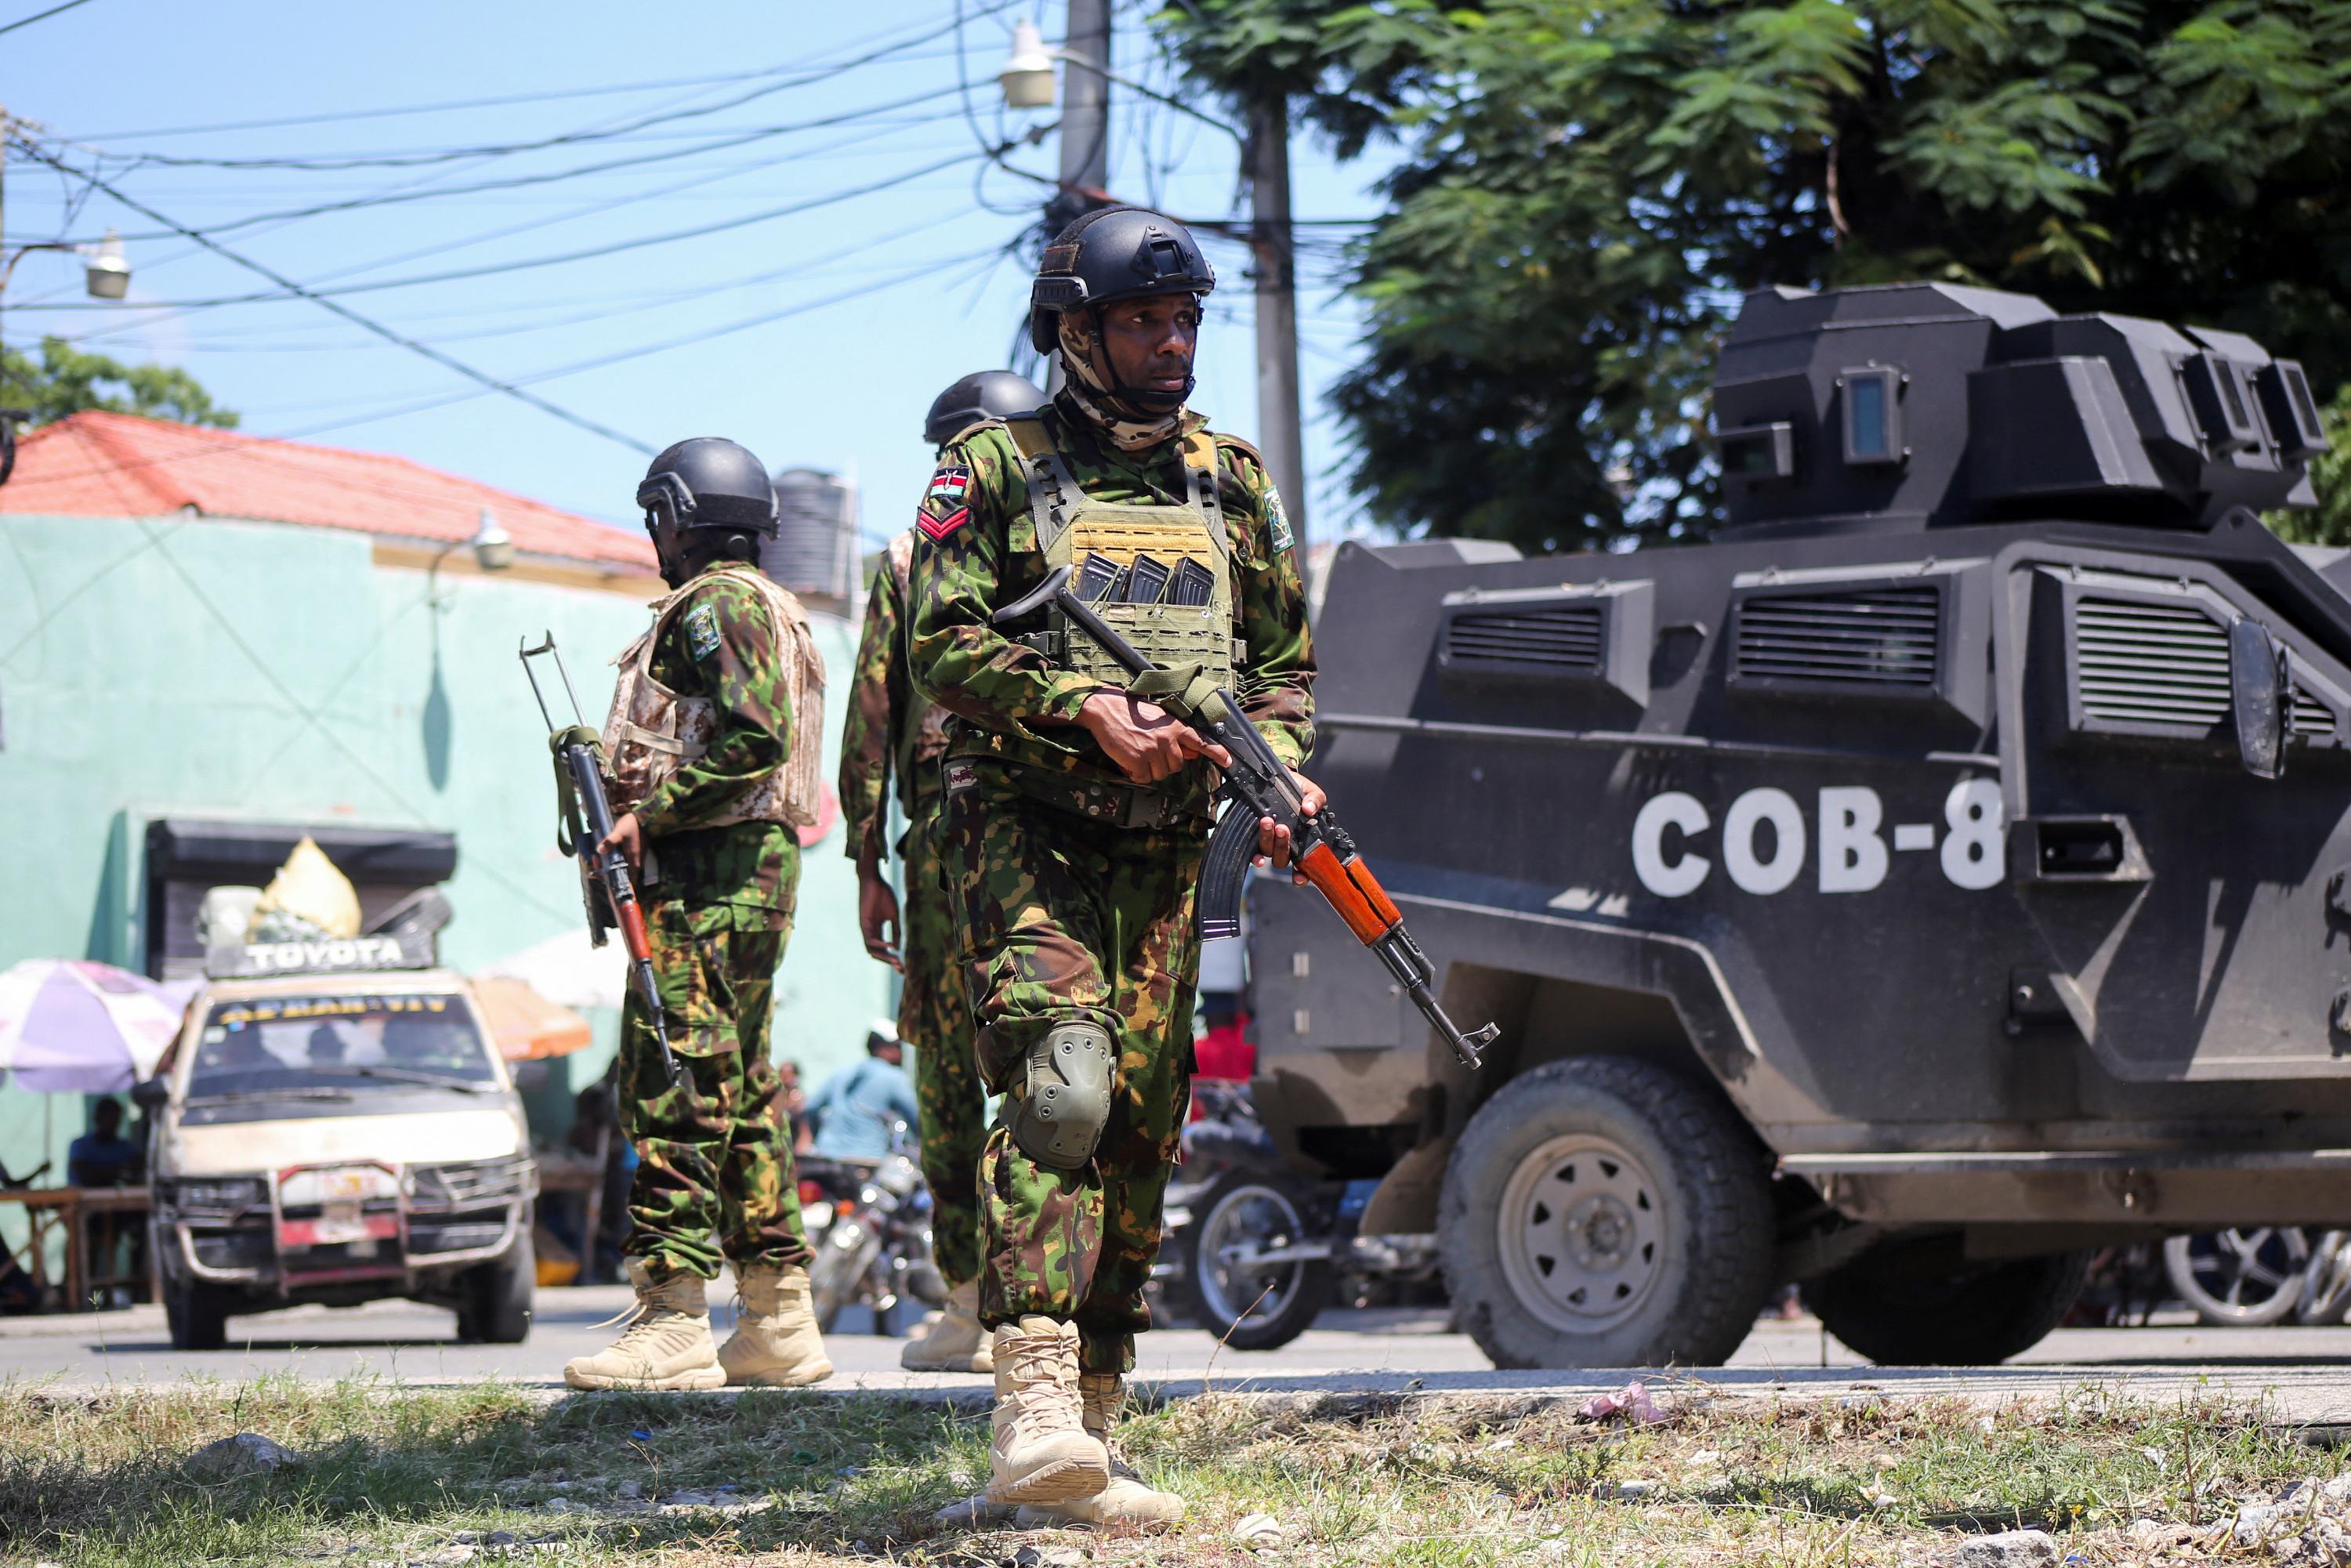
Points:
x=397 y=1475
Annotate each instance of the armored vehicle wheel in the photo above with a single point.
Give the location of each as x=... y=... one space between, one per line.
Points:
x=1902 y=1306
x=1246 y=1304
x=2240 y=1279
x=1603 y=1212
x=195 y=1316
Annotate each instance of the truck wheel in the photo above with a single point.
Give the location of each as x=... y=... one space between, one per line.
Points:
x=1900 y=1310
x=196 y=1317
x=1603 y=1212
x=1251 y=1306
x=497 y=1310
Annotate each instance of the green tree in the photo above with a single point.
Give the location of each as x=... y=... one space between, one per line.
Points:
x=2328 y=523
x=66 y=379
x=1589 y=187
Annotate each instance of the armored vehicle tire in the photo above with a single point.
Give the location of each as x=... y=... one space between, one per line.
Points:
x=498 y=1304
x=1260 y=1307
x=195 y=1316
x=1603 y=1212
x=1899 y=1310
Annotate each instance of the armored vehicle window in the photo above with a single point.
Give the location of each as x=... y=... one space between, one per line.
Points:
x=1879 y=636
x=2151 y=664
x=1563 y=636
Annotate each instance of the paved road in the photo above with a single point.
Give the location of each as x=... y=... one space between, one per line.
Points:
x=2305 y=1372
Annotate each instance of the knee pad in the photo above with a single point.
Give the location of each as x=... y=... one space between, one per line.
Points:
x=1059 y=1117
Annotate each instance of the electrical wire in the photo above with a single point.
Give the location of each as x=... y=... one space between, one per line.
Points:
x=553 y=177
x=42 y=16
x=259 y=448
x=377 y=328
x=700 y=231
x=440 y=155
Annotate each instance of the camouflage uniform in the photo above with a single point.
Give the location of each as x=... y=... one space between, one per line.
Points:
x=891 y=728
x=1061 y=916
x=715 y=1177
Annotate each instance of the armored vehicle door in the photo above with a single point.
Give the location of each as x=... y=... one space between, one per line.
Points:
x=2193 y=917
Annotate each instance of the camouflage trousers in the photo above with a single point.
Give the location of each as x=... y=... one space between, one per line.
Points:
x=714 y=1176
x=1060 y=918
x=935 y=1019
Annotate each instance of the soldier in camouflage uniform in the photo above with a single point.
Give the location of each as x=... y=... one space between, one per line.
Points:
x=700 y=751
x=893 y=730
x=1076 y=820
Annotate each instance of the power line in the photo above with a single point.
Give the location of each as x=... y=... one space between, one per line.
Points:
x=254 y=448
x=442 y=155
x=554 y=176
x=380 y=330
x=592 y=253
x=42 y=16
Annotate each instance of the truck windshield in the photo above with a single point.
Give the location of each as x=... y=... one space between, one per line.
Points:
x=354 y=1043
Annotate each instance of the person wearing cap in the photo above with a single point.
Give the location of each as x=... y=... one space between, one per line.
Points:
x=711 y=756
x=890 y=748
x=857 y=1112
x=1076 y=816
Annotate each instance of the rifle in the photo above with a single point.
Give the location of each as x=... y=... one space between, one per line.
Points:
x=1257 y=785
x=584 y=820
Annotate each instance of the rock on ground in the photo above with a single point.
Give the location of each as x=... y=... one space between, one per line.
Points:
x=246 y=1454
x=2009 y=1549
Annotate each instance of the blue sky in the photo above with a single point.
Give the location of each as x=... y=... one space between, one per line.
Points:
x=866 y=304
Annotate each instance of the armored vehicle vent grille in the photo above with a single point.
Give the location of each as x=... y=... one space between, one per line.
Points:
x=2152 y=663
x=1564 y=637
x=2310 y=716
x=1873 y=636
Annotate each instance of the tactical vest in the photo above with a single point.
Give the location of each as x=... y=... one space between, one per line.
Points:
x=654 y=732
x=921 y=738
x=1072 y=526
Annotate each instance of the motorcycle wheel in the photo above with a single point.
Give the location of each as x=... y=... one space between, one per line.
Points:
x=1251 y=1307
x=2240 y=1279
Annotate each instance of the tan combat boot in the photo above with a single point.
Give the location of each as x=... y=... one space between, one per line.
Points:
x=955 y=1340
x=775 y=1342
x=1126 y=1502
x=1040 y=1451
x=666 y=1345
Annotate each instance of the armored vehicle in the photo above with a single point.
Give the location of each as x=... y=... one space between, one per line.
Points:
x=1943 y=872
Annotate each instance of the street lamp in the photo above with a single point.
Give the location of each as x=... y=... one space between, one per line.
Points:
x=1028 y=74
x=492 y=548
x=105 y=273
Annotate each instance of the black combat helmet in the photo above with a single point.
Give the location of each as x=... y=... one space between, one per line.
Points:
x=983 y=394
x=709 y=482
x=1113 y=252
x=709 y=487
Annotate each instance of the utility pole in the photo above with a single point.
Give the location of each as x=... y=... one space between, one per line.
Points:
x=1278 y=418
x=1085 y=110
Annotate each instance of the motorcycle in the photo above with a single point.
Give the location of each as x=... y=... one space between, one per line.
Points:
x=2249 y=1278
x=868 y=1227
x=1254 y=1252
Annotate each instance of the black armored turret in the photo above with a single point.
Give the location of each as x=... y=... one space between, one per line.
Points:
x=1928 y=404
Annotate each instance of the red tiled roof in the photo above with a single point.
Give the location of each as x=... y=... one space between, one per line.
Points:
x=117 y=464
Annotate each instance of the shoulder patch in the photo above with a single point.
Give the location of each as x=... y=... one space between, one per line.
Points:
x=1277 y=521
x=702 y=630
x=949 y=484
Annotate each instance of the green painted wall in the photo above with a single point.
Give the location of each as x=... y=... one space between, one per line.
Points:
x=199 y=667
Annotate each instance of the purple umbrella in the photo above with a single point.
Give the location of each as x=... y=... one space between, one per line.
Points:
x=69 y=1026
